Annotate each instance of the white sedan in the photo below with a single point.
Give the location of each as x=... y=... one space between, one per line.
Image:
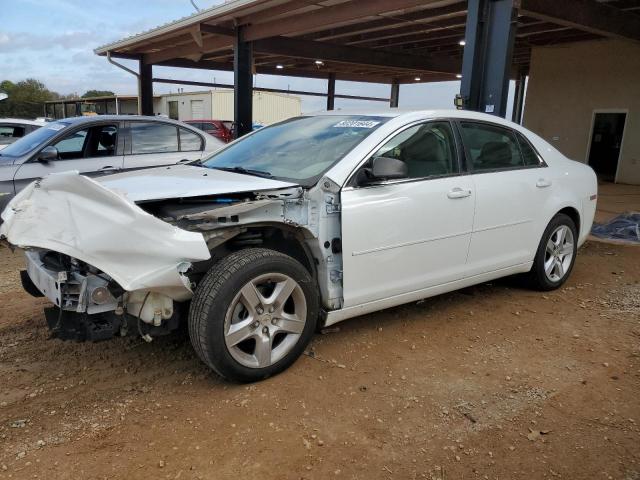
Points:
x=299 y=225
x=11 y=129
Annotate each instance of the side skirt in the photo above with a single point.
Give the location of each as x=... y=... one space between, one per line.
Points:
x=336 y=316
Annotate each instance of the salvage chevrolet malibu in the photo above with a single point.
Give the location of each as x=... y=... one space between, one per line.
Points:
x=300 y=225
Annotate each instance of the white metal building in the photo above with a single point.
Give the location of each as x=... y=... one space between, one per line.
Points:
x=268 y=107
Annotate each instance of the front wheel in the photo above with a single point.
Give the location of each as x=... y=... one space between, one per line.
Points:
x=556 y=254
x=253 y=314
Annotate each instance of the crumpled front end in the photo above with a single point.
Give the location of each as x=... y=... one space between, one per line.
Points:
x=90 y=250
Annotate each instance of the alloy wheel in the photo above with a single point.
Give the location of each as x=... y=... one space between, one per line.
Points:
x=559 y=253
x=265 y=320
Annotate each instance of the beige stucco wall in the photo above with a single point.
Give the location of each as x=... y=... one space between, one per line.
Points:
x=568 y=82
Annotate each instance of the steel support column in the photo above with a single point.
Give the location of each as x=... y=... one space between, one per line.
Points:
x=331 y=92
x=243 y=84
x=489 y=37
x=518 y=99
x=395 y=95
x=145 y=89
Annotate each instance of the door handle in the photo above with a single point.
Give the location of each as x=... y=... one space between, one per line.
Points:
x=458 y=193
x=107 y=168
x=185 y=160
x=543 y=183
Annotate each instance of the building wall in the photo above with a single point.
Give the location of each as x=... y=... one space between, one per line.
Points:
x=268 y=107
x=184 y=104
x=568 y=82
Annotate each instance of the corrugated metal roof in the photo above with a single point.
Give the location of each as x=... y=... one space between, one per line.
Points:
x=205 y=15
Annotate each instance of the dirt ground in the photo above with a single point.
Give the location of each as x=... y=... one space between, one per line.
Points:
x=493 y=382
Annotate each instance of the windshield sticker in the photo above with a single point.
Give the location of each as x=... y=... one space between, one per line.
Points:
x=356 y=124
x=56 y=127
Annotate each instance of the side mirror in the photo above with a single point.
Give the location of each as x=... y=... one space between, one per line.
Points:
x=386 y=168
x=47 y=154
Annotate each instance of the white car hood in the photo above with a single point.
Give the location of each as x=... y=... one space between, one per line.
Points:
x=179 y=181
x=99 y=223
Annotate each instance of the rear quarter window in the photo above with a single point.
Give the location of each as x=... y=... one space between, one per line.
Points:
x=153 y=137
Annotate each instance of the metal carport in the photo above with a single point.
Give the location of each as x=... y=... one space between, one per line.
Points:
x=392 y=42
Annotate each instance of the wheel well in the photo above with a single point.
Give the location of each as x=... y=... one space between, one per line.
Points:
x=281 y=239
x=573 y=214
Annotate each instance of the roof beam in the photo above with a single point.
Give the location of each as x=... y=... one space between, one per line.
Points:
x=329 y=16
x=265 y=89
x=209 y=44
x=586 y=15
x=384 y=23
x=345 y=54
x=288 y=72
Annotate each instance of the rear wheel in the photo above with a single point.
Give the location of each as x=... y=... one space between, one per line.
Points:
x=253 y=314
x=556 y=254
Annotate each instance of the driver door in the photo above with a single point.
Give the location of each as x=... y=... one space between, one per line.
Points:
x=92 y=150
x=402 y=236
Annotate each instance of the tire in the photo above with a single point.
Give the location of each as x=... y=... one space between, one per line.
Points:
x=558 y=258
x=242 y=304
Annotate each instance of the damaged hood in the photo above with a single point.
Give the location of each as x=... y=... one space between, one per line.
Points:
x=181 y=181
x=77 y=216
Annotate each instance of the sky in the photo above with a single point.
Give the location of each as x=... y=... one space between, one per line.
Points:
x=53 y=41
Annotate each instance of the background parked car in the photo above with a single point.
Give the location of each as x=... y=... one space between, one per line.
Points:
x=99 y=145
x=217 y=128
x=11 y=129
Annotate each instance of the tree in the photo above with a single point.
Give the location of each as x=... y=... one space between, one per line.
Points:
x=26 y=98
x=97 y=93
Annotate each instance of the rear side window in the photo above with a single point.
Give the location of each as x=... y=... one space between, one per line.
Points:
x=153 y=137
x=491 y=147
x=531 y=158
x=189 y=141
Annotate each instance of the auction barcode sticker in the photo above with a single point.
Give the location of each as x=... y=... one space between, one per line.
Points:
x=356 y=124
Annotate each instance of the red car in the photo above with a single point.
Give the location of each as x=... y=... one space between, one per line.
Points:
x=215 y=128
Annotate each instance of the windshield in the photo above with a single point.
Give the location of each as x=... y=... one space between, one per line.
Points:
x=300 y=149
x=33 y=139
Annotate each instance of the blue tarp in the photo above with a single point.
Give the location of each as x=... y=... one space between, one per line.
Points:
x=624 y=227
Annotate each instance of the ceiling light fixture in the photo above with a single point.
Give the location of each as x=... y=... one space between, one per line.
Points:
x=458 y=75
x=319 y=63
x=462 y=43
x=417 y=79
x=279 y=67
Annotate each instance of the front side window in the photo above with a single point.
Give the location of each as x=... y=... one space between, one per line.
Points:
x=153 y=137
x=300 y=149
x=72 y=146
x=427 y=149
x=96 y=141
x=491 y=147
x=11 y=131
x=189 y=141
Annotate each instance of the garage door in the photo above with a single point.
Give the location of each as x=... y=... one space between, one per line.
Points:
x=197 y=109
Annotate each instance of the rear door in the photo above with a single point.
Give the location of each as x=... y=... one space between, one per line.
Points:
x=511 y=185
x=94 y=149
x=154 y=144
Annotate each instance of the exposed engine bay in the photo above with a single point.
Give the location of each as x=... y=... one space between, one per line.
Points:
x=136 y=267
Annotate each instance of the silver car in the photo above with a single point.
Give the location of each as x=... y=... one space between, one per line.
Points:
x=99 y=145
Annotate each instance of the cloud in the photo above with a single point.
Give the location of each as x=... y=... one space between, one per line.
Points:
x=19 y=41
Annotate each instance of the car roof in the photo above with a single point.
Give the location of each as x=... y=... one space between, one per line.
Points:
x=116 y=118
x=411 y=115
x=22 y=121
x=206 y=120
